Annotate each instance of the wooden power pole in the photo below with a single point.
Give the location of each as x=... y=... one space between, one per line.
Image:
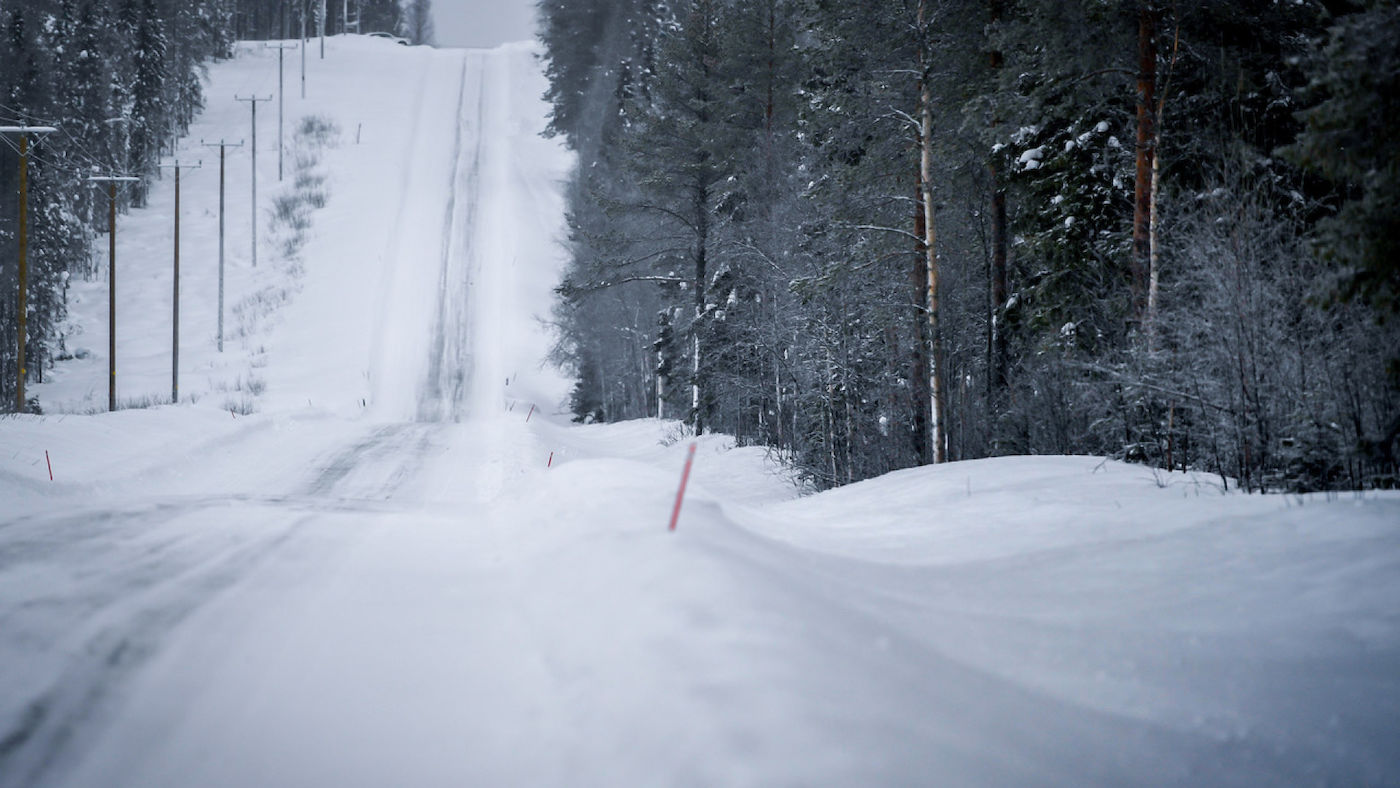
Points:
x=282 y=47
x=175 y=298
x=22 y=316
x=112 y=181
x=221 y=145
x=303 y=48
x=253 y=101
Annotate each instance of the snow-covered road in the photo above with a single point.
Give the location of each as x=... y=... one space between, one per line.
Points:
x=377 y=580
x=307 y=497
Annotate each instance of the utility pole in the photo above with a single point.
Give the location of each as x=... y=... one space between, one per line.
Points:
x=281 y=48
x=253 y=102
x=303 y=49
x=112 y=181
x=175 y=298
x=221 y=145
x=23 y=315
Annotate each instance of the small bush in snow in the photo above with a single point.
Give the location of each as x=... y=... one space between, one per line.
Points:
x=142 y=402
x=243 y=406
x=318 y=132
x=289 y=210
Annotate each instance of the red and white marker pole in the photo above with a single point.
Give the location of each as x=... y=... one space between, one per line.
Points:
x=680 y=494
x=49 y=463
x=550 y=464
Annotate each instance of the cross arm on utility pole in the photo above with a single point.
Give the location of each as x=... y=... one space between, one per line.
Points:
x=180 y=165
x=221 y=145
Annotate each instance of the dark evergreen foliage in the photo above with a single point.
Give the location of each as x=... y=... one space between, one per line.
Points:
x=749 y=191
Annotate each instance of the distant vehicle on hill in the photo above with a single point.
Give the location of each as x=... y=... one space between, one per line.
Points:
x=396 y=39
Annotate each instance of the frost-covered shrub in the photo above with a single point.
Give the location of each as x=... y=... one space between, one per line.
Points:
x=291 y=214
x=316 y=132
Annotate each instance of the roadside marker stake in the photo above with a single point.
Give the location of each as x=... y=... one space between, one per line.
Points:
x=531 y=413
x=550 y=464
x=50 y=464
x=680 y=494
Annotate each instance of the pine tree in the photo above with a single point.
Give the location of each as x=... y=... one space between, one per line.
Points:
x=149 y=120
x=418 y=22
x=381 y=16
x=1352 y=139
x=1008 y=153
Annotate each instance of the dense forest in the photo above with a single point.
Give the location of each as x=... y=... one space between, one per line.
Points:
x=883 y=234
x=120 y=80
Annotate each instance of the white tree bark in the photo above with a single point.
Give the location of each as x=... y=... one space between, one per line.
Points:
x=935 y=356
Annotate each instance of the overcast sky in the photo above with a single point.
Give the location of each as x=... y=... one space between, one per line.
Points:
x=483 y=23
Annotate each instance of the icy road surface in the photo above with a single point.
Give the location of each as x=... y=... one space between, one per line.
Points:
x=376 y=580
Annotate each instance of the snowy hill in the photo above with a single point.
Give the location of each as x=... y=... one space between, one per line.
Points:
x=368 y=548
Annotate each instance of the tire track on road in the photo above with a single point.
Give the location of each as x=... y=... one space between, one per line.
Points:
x=374 y=467
x=449 y=367
x=127 y=619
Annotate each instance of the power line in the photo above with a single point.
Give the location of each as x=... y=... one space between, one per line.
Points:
x=92 y=159
x=29 y=115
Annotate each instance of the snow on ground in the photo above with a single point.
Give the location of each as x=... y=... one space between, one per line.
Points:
x=392 y=561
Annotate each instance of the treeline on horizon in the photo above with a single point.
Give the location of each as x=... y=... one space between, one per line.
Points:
x=256 y=20
x=883 y=234
x=121 y=80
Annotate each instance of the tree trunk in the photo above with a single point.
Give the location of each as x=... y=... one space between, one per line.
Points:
x=778 y=404
x=772 y=76
x=702 y=238
x=696 y=419
x=660 y=385
x=1146 y=150
x=998 y=372
x=930 y=236
x=848 y=417
x=923 y=444
x=828 y=417
x=1153 y=249
x=997 y=366
x=702 y=227
x=1153 y=256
